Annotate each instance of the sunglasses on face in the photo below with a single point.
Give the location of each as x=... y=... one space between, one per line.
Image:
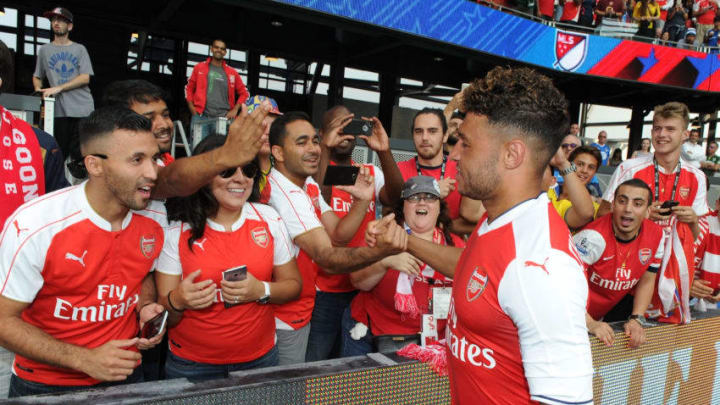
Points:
x=249 y=171
x=422 y=197
x=569 y=145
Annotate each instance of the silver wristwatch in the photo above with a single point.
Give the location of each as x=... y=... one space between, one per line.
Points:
x=266 y=297
x=571 y=169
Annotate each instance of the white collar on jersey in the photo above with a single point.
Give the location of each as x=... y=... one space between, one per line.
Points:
x=278 y=176
x=83 y=203
x=514 y=212
x=236 y=225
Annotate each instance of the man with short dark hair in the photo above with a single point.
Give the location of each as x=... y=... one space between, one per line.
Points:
x=147 y=100
x=74 y=285
x=315 y=229
x=712 y=161
x=335 y=291
x=519 y=290
x=66 y=65
x=430 y=132
x=692 y=150
x=215 y=89
x=624 y=251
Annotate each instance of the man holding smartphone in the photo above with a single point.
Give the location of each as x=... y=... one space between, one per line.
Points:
x=623 y=251
x=335 y=291
x=315 y=229
x=670 y=178
x=74 y=285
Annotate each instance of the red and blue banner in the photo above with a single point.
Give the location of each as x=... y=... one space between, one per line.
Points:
x=470 y=25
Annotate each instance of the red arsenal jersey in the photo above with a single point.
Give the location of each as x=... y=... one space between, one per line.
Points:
x=690 y=190
x=300 y=210
x=340 y=202
x=408 y=169
x=516 y=329
x=615 y=267
x=81 y=279
x=708 y=250
x=240 y=333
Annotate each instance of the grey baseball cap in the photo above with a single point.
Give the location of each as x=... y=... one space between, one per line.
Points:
x=420 y=184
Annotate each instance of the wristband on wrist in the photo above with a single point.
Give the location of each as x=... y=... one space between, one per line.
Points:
x=171 y=304
x=637 y=318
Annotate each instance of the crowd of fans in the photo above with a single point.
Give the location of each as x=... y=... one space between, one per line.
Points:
x=682 y=23
x=256 y=261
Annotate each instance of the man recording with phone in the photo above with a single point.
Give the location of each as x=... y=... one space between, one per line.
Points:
x=335 y=291
x=317 y=232
x=679 y=198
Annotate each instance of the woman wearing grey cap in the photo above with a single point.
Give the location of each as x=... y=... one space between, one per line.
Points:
x=396 y=293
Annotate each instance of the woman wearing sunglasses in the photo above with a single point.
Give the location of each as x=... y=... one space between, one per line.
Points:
x=397 y=291
x=218 y=326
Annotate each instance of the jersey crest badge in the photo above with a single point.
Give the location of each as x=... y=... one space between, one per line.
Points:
x=570 y=50
x=644 y=255
x=476 y=285
x=147 y=245
x=260 y=236
x=684 y=192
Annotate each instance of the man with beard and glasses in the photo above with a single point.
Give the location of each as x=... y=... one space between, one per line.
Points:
x=318 y=234
x=519 y=289
x=623 y=251
x=74 y=285
x=67 y=67
x=335 y=291
x=430 y=132
x=147 y=100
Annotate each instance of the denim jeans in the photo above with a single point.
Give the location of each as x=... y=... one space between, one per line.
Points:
x=325 y=325
x=20 y=387
x=177 y=367
x=350 y=346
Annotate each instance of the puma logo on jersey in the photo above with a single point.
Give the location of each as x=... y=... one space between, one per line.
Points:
x=607 y=258
x=529 y=263
x=200 y=244
x=18 y=229
x=81 y=259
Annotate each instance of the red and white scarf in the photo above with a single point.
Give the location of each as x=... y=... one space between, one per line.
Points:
x=405 y=301
x=22 y=175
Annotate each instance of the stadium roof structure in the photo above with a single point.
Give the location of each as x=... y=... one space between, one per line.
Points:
x=398 y=41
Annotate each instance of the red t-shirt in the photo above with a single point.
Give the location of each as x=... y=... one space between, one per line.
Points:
x=81 y=279
x=408 y=169
x=516 y=329
x=615 y=267
x=571 y=11
x=243 y=332
x=376 y=307
x=340 y=202
x=707 y=17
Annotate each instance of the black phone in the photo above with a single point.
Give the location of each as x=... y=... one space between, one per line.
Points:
x=358 y=127
x=341 y=175
x=668 y=204
x=238 y=273
x=154 y=326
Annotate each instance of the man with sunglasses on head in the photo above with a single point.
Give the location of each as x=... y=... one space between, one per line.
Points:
x=315 y=229
x=67 y=67
x=74 y=285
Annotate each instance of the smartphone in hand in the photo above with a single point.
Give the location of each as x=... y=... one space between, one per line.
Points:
x=238 y=273
x=667 y=205
x=154 y=326
x=358 y=127
x=341 y=175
